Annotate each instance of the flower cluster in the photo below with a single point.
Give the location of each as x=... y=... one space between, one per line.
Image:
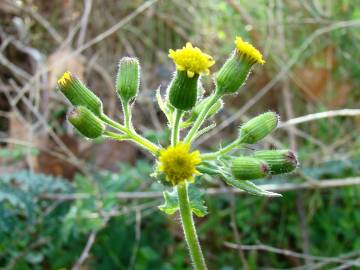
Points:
x=186 y=110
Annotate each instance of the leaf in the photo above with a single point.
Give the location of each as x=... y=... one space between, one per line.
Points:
x=162 y=105
x=197 y=203
x=250 y=187
x=171 y=204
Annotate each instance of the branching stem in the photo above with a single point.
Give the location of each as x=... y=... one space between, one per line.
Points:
x=200 y=119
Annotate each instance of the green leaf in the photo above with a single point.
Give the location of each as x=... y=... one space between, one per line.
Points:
x=250 y=187
x=171 y=204
x=197 y=203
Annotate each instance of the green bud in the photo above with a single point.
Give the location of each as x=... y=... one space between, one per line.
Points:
x=247 y=168
x=258 y=127
x=201 y=105
x=183 y=91
x=279 y=161
x=87 y=123
x=78 y=94
x=232 y=74
x=127 y=79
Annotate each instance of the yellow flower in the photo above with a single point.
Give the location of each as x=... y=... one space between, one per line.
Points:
x=65 y=78
x=178 y=163
x=191 y=59
x=249 y=51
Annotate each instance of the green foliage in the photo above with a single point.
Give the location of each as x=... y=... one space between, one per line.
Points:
x=197 y=203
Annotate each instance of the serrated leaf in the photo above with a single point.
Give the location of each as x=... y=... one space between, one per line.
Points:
x=197 y=203
x=250 y=187
x=171 y=204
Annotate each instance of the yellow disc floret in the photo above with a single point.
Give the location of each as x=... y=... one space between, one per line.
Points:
x=65 y=78
x=249 y=51
x=192 y=60
x=178 y=163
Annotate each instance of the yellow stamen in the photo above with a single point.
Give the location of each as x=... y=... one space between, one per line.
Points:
x=178 y=163
x=249 y=51
x=191 y=59
x=65 y=78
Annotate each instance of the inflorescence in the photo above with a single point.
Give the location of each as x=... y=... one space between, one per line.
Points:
x=185 y=108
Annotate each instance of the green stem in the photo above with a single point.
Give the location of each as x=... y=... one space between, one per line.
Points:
x=132 y=135
x=189 y=228
x=112 y=123
x=127 y=115
x=200 y=119
x=175 y=131
x=222 y=151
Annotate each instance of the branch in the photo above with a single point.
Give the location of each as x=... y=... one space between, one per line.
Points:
x=320 y=115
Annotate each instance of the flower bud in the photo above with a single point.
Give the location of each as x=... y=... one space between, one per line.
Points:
x=247 y=168
x=258 y=127
x=183 y=91
x=236 y=69
x=279 y=161
x=78 y=94
x=87 y=123
x=202 y=104
x=127 y=79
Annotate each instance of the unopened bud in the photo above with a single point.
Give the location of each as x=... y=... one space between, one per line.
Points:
x=279 y=161
x=87 y=123
x=236 y=69
x=258 y=127
x=182 y=91
x=247 y=168
x=127 y=79
x=78 y=94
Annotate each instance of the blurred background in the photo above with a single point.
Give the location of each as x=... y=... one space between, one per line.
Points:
x=69 y=203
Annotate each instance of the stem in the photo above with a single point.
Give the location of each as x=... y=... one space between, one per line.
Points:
x=145 y=143
x=112 y=123
x=132 y=135
x=200 y=119
x=223 y=151
x=176 y=127
x=189 y=228
x=127 y=115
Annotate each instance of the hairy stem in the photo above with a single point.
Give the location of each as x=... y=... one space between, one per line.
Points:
x=176 y=127
x=222 y=151
x=200 y=119
x=127 y=115
x=189 y=228
x=132 y=135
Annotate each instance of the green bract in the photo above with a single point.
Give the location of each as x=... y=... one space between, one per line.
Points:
x=258 y=128
x=232 y=74
x=183 y=91
x=127 y=79
x=87 y=123
x=247 y=168
x=279 y=161
x=78 y=94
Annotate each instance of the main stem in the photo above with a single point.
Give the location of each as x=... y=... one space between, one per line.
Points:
x=189 y=228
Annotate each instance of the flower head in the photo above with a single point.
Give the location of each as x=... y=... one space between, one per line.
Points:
x=178 y=163
x=249 y=51
x=192 y=60
x=65 y=78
